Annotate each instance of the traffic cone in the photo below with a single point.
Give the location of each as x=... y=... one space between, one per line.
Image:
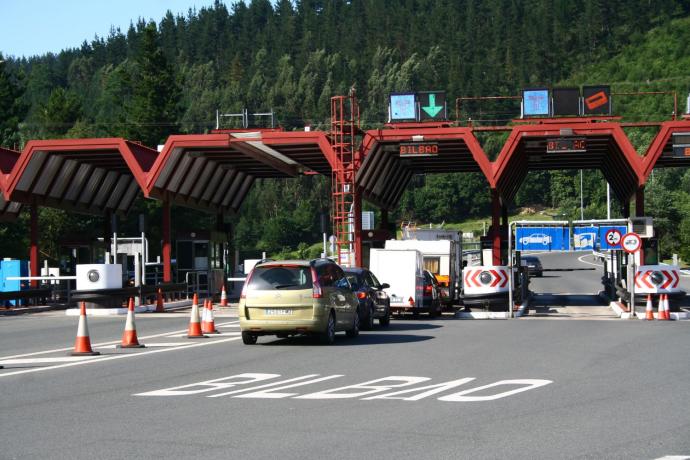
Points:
x=82 y=345
x=223 y=297
x=661 y=315
x=208 y=325
x=667 y=307
x=129 y=337
x=159 y=302
x=649 y=310
x=194 y=326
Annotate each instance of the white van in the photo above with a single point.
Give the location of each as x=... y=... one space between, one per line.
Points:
x=442 y=259
x=403 y=270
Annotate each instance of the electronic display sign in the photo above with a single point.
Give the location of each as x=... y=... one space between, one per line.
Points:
x=566 y=101
x=403 y=107
x=681 y=145
x=535 y=102
x=597 y=100
x=432 y=105
x=566 y=144
x=418 y=149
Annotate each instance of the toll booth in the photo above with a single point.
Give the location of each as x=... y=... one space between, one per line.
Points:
x=13 y=268
x=202 y=258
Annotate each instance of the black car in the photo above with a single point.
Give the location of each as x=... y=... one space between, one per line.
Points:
x=431 y=298
x=373 y=301
x=533 y=265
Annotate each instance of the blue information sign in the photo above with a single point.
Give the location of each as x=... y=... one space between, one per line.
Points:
x=535 y=102
x=585 y=238
x=542 y=238
x=603 y=230
x=403 y=107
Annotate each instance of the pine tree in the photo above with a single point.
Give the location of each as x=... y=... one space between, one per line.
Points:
x=153 y=110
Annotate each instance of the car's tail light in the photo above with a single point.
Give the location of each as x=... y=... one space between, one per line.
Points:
x=361 y=295
x=243 y=294
x=411 y=300
x=316 y=291
x=428 y=289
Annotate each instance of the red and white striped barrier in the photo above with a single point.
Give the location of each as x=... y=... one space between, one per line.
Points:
x=657 y=279
x=485 y=280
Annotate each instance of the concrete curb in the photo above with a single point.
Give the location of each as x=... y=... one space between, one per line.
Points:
x=28 y=310
x=620 y=310
x=168 y=306
x=521 y=310
x=677 y=316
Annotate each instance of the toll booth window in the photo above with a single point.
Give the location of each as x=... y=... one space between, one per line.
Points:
x=433 y=264
x=185 y=256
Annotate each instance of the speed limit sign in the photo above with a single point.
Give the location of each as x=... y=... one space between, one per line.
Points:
x=613 y=237
x=631 y=242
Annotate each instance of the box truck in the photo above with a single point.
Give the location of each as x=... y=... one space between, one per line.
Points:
x=442 y=258
x=403 y=270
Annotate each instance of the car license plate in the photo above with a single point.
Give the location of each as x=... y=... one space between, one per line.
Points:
x=277 y=312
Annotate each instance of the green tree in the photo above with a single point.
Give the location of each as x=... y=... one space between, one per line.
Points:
x=12 y=109
x=59 y=114
x=153 y=109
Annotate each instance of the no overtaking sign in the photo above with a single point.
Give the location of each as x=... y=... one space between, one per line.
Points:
x=631 y=242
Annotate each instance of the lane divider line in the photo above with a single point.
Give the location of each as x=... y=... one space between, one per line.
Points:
x=97 y=359
x=101 y=344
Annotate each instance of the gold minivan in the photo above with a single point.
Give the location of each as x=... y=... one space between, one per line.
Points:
x=297 y=297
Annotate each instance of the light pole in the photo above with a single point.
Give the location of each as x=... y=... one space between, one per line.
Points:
x=582 y=212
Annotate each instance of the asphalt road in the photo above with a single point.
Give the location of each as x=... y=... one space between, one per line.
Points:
x=592 y=389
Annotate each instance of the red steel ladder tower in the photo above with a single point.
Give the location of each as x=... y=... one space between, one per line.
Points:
x=346 y=205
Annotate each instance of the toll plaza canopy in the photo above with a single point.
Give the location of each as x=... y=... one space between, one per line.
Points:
x=602 y=146
x=214 y=172
x=388 y=166
x=660 y=153
x=91 y=176
x=8 y=209
x=210 y=172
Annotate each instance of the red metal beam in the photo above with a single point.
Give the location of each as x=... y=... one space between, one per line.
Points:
x=656 y=148
x=167 y=272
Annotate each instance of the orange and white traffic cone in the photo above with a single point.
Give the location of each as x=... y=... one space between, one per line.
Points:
x=159 y=302
x=662 y=308
x=649 y=310
x=129 y=337
x=82 y=345
x=208 y=325
x=223 y=297
x=667 y=307
x=194 y=325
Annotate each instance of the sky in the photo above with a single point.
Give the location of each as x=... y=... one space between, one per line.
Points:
x=34 y=27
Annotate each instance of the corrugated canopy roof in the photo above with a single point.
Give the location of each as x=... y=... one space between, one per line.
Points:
x=84 y=175
x=385 y=173
x=607 y=149
x=214 y=172
x=8 y=209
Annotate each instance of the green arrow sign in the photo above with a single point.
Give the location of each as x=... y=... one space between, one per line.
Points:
x=432 y=109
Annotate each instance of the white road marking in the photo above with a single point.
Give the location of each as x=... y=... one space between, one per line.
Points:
x=588 y=263
x=150 y=344
x=357 y=391
x=58 y=359
x=674 y=457
x=120 y=356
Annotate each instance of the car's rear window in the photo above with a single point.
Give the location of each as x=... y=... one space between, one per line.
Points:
x=280 y=277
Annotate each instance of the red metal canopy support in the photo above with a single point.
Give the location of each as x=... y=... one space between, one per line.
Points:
x=495 y=227
x=33 y=248
x=167 y=272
